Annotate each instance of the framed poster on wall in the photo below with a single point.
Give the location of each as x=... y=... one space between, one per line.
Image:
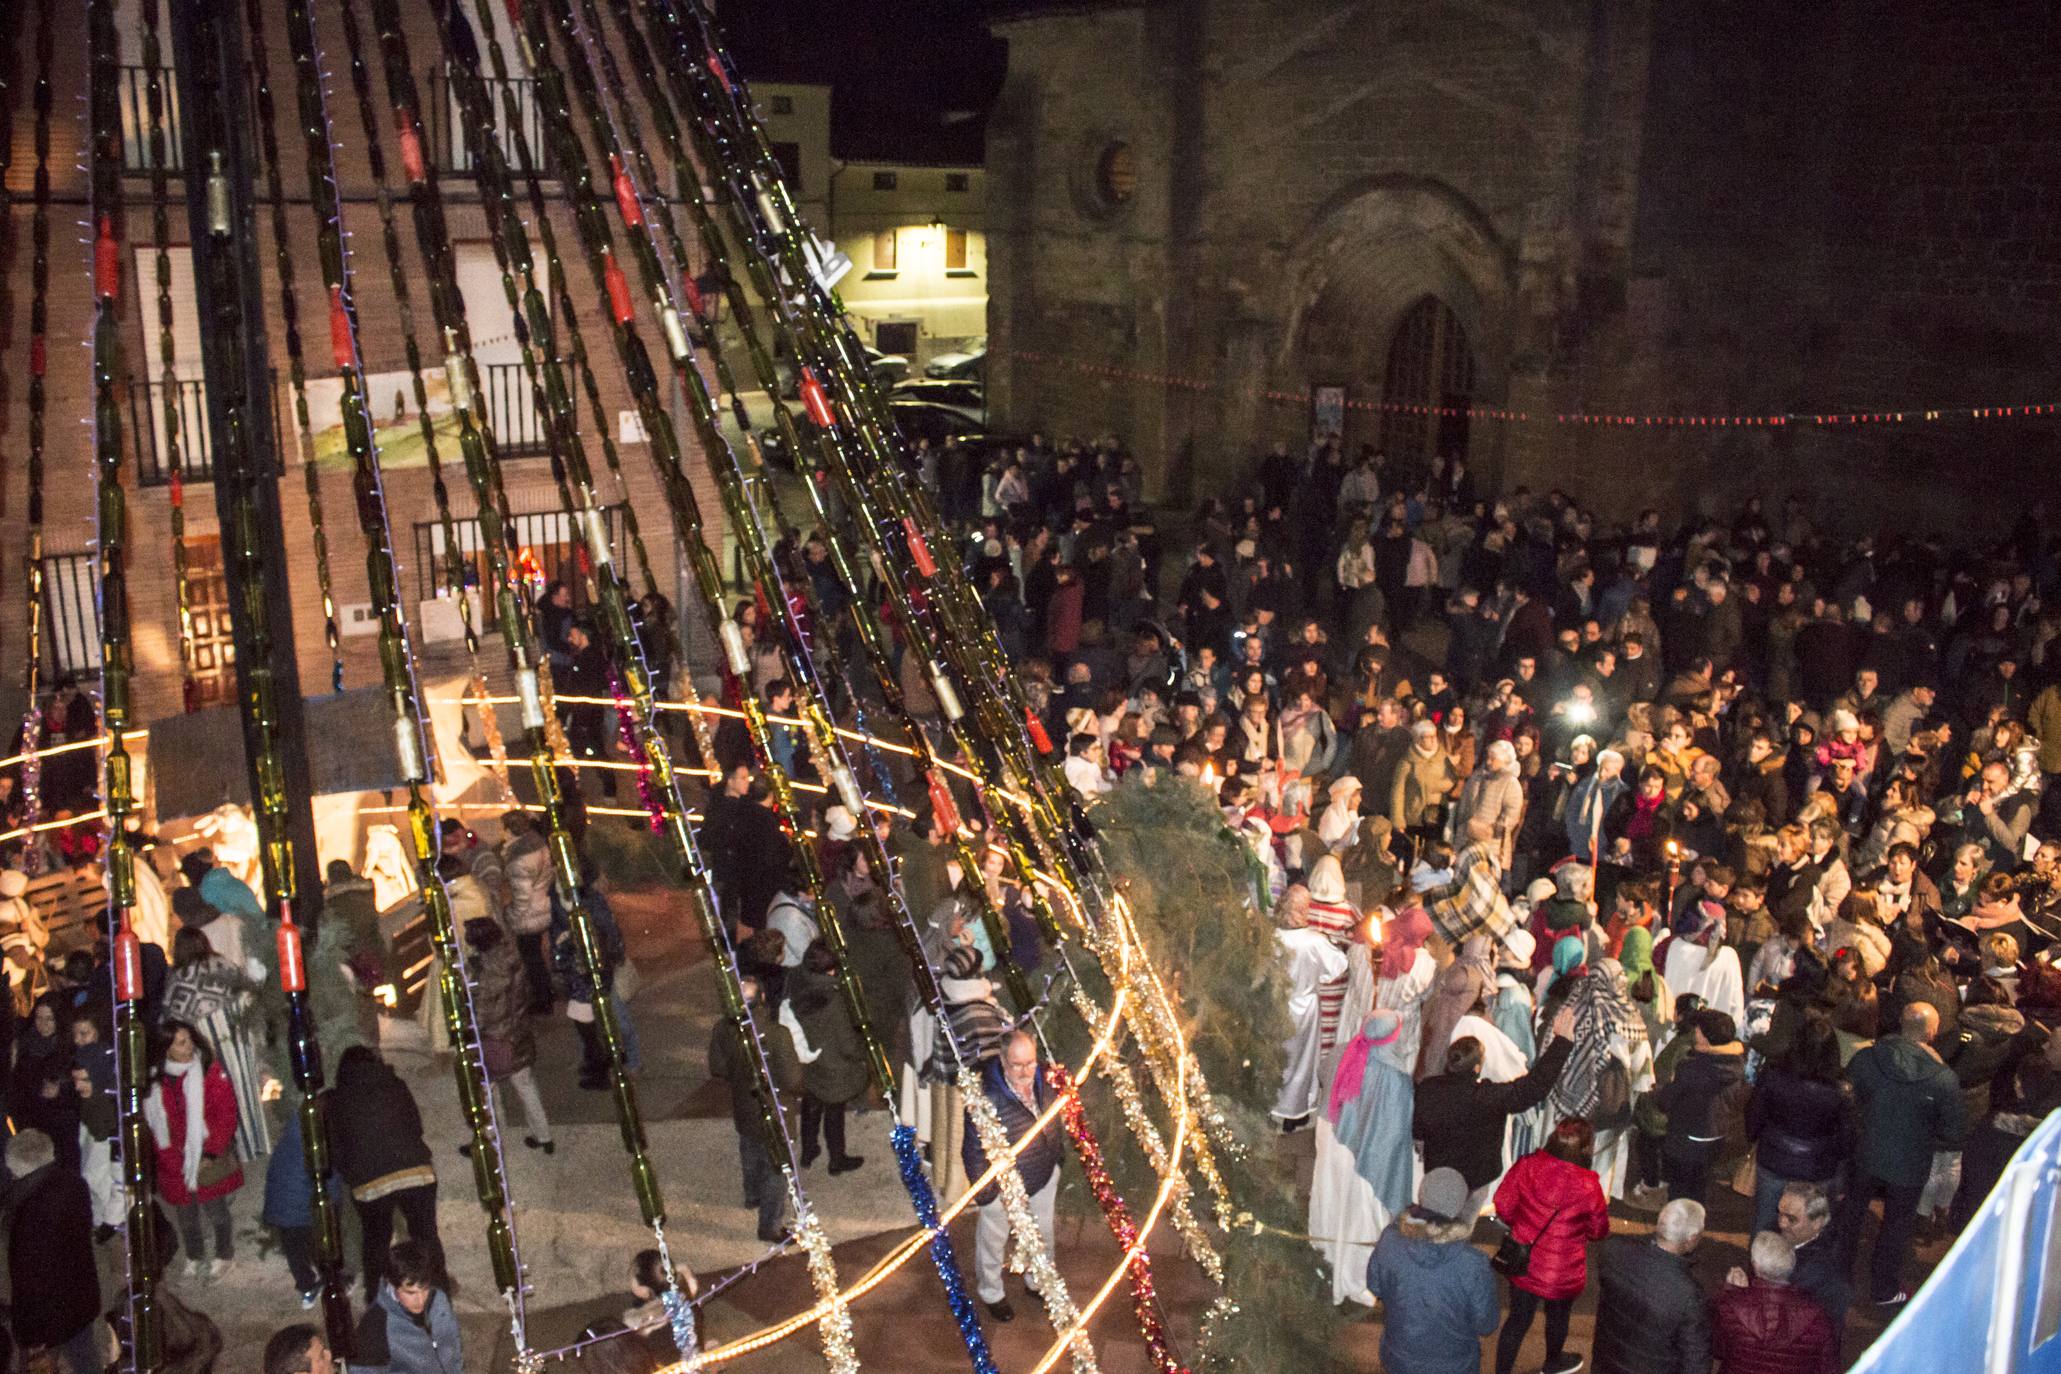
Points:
x=1327 y=411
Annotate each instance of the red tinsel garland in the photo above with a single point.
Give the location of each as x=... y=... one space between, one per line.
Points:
x=1144 y=1299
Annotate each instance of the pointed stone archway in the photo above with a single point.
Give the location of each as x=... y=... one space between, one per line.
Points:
x=1402 y=288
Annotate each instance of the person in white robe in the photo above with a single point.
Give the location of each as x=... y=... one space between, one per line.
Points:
x=151 y=917
x=1310 y=959
x=1514 y=1006
x=1405 y=977
x=1697 y=961
x=1366 y=1157
x=1339 y=826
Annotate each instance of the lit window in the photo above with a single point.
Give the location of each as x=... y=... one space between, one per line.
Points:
x=1116 y=175
x=884 y=251
x=955 y=250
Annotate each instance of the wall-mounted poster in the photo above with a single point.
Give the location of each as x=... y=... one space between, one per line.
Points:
x=395 y=428
x=1327 y=411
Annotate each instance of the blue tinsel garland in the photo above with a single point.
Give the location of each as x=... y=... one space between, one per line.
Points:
x=941 y=1250
x=680 y=1316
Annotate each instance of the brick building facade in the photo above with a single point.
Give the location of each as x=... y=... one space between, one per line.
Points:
x=1609 y=206
x=69 y=530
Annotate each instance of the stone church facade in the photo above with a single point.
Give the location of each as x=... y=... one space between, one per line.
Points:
x=1200 y=210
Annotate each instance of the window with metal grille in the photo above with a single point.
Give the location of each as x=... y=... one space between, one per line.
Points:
x=512 y=410
x=157 y=427
x=958 y=181
x=780 y=105
x=71 y=614
x=885 y=181
x=133 y=91
x=448 y=124
x=546 y=546
x=1429 y=385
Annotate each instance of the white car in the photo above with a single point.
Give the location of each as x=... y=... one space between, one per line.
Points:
x=970 y=365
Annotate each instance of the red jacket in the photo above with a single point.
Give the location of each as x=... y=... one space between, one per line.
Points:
x=1771 y=1328
x=1559 y=1208
x=218 y=1105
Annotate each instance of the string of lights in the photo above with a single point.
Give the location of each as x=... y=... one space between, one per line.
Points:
x=239 y=470
x=403 y=692
x=872 y=638
x=1830 y=417
x=290 y=314
x=620 y=629
x=454 y=560
x=39 y=362
x=169 y=418
x=132 y=1068
x=778 y=224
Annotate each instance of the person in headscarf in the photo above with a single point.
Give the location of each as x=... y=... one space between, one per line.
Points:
x=1461 y=986
x=1609 y=1042
x=1698 y=961
x=1403 y=978
x=1339 y=826
x=1511 y=1011
x=1588 y=806
x=215 y=997
x=1365 y=1152
x=1643 y=982
x=1331 y=915
x=1309 y=959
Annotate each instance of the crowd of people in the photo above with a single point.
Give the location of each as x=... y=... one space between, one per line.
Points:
x=1610 y=867
x=1610 y=864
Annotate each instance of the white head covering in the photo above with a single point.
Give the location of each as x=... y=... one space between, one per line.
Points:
x=1519 y=946
x=842 y=826
x=1502 y=754
x=1327 y=880
x=13 y=882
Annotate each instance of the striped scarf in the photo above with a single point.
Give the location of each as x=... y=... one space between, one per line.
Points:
x=1605 y=1018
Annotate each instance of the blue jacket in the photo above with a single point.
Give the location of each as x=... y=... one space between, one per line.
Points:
x=1438 y=1297
x=390 y=1339
x=1037 y=1161
x=289 y=1192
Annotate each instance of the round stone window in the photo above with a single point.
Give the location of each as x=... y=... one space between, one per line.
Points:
x=1116 y=175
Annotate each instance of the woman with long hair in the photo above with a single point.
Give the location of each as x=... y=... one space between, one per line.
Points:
x=500 y=1007
x=1552 y=1201
x=191 y=1111
x=215 y=997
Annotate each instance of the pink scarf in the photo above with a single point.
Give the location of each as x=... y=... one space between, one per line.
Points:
x=1352 y=1070
x=1406 y=935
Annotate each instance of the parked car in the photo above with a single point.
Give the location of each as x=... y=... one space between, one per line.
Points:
x=970 y=365
x=937 y=423
x=885 y=368
x=969 y=398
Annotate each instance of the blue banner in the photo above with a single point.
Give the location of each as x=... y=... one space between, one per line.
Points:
x=1994 y=1303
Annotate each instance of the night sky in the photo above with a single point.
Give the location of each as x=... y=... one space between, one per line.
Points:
x=898 y=67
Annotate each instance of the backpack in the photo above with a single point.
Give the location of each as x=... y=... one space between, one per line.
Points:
x=1613 y=1096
